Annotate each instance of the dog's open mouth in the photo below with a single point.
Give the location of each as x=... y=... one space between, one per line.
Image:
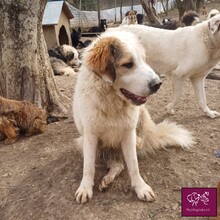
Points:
x=137 y=100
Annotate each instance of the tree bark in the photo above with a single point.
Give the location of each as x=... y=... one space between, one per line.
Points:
x=181 y=8
x=25 y=72
x=98 y=9
x=184 y=6
x=121 y=4
x=199 y=4
x=148 y=6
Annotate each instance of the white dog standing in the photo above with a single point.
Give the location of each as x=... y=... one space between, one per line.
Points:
x=189 y=52
x=113 y=83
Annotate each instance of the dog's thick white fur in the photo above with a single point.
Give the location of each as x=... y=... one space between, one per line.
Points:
x=189 y=52
x=113 y=83
x=212 y=13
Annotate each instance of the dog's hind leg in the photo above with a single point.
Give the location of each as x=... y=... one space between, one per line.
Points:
x=177 y=87
x=198 y=86
x=115 y=170
x=9 y=130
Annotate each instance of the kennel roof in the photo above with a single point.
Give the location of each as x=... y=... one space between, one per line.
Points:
x=53 y=11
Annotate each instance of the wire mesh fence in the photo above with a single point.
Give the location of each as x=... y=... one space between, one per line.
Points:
x=86 y=11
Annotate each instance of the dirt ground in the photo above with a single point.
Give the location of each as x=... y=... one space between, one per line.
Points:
x=39 y=175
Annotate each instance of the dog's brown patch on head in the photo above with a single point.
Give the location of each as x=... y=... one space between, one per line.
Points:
x=103 y=57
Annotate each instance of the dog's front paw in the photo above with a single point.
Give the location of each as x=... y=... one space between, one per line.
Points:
x=213 y=114
x=144 y=192
x=69 y=71
x=83 y=194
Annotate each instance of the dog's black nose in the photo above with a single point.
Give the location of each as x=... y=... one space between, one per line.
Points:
x=155 y=85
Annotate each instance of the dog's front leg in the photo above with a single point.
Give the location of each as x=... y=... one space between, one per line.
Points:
x=143 y=191
x=85 y=190
x=198 y=86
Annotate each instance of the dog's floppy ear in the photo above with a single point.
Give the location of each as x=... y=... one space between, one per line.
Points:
x=127 y=13
x=214 y=24
x=102 y=58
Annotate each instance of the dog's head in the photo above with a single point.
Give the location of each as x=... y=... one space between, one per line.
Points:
x=132 y=16
x=190 y=18
x=212 y=13
x=118 y=58
x=214 y=24
x=103 y=24
x=71 y=55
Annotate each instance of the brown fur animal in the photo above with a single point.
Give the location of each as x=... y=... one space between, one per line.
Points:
x=20 y=117
x=204 y=10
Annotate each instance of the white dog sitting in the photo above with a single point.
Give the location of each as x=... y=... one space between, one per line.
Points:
x=113 y=84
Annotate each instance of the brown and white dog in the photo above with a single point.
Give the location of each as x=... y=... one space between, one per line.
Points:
x=130 y=18
x=112 y=86
x=18 y=117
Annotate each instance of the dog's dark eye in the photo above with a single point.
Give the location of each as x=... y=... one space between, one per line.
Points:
x=70 y=56
x=128 y=65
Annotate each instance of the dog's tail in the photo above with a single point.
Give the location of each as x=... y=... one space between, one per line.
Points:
x=151 y=136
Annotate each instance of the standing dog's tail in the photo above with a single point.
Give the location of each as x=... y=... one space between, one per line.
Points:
x=151 y=136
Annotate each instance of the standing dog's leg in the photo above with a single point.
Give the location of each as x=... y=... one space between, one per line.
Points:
x=198 y=86
x=143 y=191
x=85 y=191
x=177 y=86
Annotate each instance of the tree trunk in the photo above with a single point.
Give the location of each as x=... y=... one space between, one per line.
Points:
x=199 y=4
x=181 y=8
x=148 y=6
x=121 y=4
x=184 y=6
x=25 y=72
x=189 y=5
x=164 y=7
x=98 y=9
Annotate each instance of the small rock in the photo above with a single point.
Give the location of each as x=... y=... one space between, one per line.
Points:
x=175 y=207
x=166 y=206
x=151 y=215
x=178 y=188
x=211 y=136
x=6 y=175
